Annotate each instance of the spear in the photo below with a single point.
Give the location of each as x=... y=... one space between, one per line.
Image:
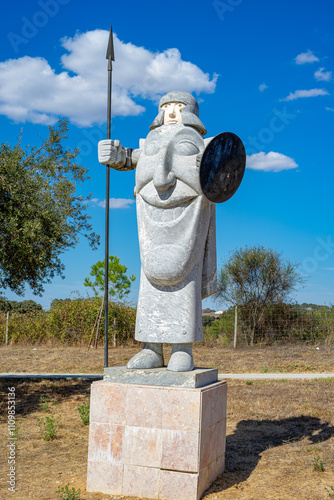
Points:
x=110 y=56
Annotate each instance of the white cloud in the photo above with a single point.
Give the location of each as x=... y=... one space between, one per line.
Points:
x=305 y=93
x=31 y=90
x=263 y=87
x=117 y=203
x=322 y=75
x=329 y=109
x=306 y=57
x=270 y=162
x=328 y=268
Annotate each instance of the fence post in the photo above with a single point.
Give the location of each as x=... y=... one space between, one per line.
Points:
x=115 y=327
x=7 y=323
x=235 y=326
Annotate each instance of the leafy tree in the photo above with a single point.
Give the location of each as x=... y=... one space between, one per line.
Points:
x=5 y=304
x=59 y=302
x=119 y=282
x=25 y=306
x=305 y=305
x=22 y=307
x=255 y=278
x=207 y=320
x=41 y=215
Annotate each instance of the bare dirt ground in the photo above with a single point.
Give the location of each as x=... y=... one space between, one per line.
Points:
x=63 y=359
x=275 y=432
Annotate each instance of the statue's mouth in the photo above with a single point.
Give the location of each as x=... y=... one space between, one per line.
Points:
x=178 y=196
x=168 y=214
x=167 y=206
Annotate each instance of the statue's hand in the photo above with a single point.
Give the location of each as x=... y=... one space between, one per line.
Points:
x=111 y=153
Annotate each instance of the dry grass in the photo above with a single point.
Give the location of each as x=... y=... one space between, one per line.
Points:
x=274 y=429
x=62 y=359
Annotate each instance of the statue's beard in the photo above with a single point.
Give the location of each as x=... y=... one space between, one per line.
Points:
x=172 y=238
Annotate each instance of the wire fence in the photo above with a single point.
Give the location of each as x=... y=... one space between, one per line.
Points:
x=72 y=323
x=281 y=323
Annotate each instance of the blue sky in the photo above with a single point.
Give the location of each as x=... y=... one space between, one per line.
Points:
x=263 y=70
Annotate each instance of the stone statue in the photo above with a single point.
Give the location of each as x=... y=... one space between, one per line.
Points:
x=177 y=234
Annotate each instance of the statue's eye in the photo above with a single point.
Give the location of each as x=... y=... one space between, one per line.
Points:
x=186 y=148
x=151 y=148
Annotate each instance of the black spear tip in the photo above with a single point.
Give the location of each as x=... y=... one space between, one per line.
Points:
x=110 y=50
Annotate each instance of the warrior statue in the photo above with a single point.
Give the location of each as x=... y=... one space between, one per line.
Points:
x=176 y=190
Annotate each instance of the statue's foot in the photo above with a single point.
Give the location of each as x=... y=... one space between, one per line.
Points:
x=150 y=356
x=181 y=359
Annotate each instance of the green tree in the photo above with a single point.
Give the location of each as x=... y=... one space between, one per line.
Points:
x=59 y=302
x=25 y=306
x=255 y=278
x=5 y=305
x=119 y=282
x=207 y=320
x=41 y=215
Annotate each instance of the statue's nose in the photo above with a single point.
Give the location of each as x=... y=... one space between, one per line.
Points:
x=164 y=178
x=172 y=112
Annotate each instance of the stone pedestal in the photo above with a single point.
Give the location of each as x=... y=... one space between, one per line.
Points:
x=155 y=441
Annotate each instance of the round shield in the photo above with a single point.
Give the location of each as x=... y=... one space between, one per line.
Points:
x=222 y=167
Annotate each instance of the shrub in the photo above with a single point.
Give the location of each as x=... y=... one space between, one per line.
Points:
x=69 y=322
x=65 y=493
x=221 y=328
x=84 y=413
x=48 y=426
x=318 y=464
x=278 y=323
x=330 y=492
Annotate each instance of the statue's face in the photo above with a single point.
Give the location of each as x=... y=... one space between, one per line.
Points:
x=173 y=214
x=172 y=113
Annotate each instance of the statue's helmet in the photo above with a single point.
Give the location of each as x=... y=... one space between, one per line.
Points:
x=189 y=113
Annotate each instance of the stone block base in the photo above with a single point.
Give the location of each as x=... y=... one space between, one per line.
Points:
x=156 y=442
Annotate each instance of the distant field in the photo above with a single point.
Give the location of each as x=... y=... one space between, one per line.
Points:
x=286 y=359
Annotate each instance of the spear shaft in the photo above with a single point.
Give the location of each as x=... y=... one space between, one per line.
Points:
x=110 y=57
